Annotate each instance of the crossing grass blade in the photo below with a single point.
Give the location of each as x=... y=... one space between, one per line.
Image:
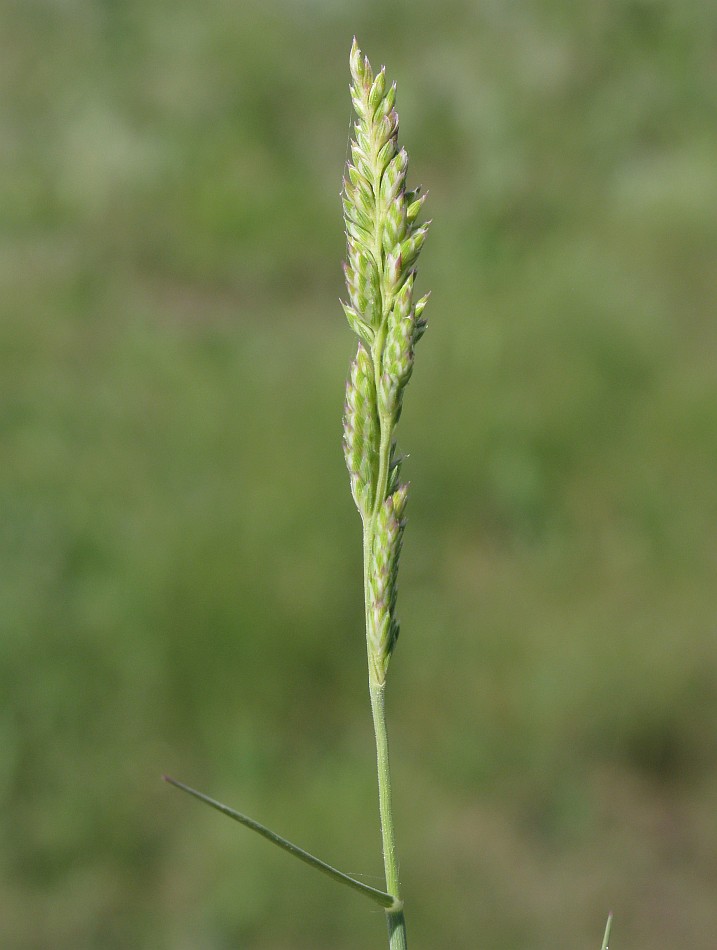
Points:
x=608 y=928
x=380 y=897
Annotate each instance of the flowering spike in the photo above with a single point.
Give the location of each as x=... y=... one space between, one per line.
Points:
x=383 y=242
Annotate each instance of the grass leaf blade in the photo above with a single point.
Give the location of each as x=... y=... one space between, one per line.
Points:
x=608 y=928
x=380 y=897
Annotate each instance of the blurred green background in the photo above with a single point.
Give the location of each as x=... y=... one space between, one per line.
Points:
x=180 y=558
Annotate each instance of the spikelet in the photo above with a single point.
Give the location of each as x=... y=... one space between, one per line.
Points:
x=383 y=588
x=361 y=431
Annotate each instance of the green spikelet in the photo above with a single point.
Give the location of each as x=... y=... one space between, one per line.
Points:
x=383 y=586
x=361 y=431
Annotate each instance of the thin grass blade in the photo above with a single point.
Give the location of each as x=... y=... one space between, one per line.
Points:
x=608 y=928
x=380 y=897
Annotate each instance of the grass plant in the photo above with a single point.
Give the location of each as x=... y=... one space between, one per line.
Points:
x=383 y=244
x=180 y=561
x=384 y=240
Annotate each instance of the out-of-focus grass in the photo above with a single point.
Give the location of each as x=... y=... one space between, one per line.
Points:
x=179 y=559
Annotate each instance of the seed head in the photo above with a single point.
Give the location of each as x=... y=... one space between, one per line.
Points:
x=383 y=240
x=383 y=243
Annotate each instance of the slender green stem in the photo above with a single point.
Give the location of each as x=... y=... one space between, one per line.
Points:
x=395 y=919
x=387 y=425
x=378 y=710
x=394 y=916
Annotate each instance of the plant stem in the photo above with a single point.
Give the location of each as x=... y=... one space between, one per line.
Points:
x=394 y=917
